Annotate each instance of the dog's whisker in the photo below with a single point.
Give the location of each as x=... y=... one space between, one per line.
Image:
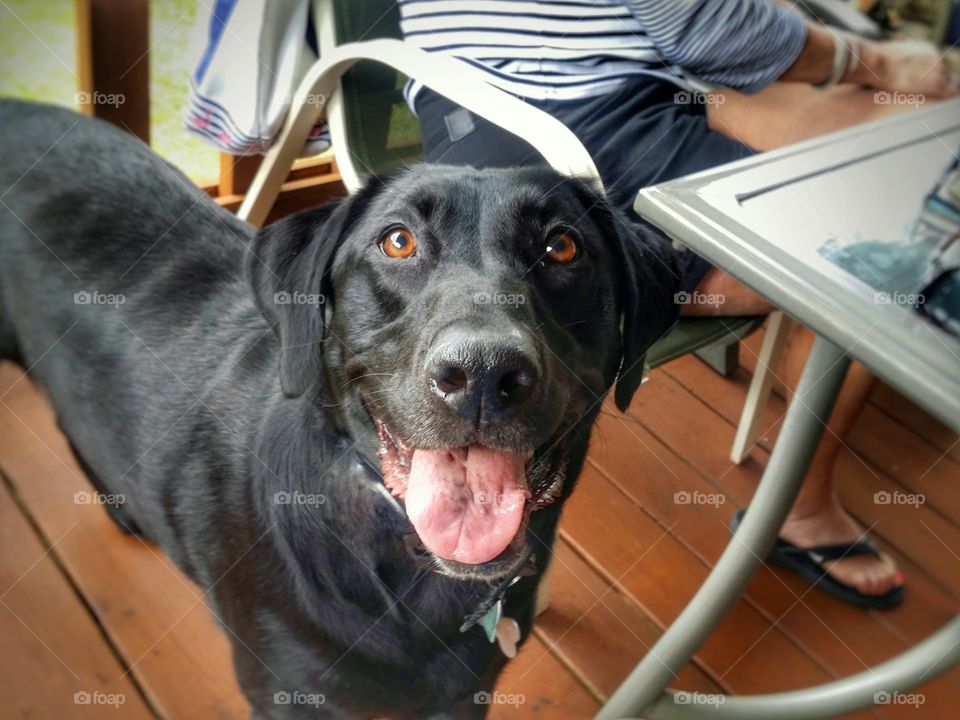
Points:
x=369 y=375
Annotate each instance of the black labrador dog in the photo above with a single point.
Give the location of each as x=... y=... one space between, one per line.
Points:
x=354 y=428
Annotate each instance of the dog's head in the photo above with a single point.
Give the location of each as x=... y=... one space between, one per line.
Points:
x=465 y=322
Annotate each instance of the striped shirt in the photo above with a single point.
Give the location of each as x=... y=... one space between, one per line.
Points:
x=567 y=49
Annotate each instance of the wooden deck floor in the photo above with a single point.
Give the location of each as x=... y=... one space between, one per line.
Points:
x=88 y=610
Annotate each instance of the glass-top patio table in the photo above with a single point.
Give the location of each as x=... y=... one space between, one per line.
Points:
x=840 y=232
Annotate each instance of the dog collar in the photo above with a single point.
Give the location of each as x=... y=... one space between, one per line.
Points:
x=489 y=611
x=504 y=630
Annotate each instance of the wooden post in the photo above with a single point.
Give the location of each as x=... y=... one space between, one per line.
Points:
x=113 y=47
x=236 y=173
x=81 y=10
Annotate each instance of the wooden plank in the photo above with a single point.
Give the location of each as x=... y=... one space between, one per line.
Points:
x=907 y=413
x=909 y=459
x=323 y=164
x=920 y=454
x=933 y=545
x=903 y=453
x=296 y=195
x=844 y=639
x=236 y=173
x=700 y=517
x=535 y=685
x=839 y=635
x=314 y=167
x=930 y=602
x=647 y=562
x=120 y=45
x=81 y=12
x=599 y=632
x=899 y=408
x=55 y=662
x=154 y=616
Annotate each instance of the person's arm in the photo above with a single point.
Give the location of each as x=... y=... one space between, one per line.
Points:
x=743 y=44
x=814 y=64
x=898 y=66
x=748 y=44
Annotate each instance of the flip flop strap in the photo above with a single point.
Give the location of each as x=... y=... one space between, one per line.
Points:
x=819 y=553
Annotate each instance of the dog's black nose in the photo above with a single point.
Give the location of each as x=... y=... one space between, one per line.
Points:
x=482 y=379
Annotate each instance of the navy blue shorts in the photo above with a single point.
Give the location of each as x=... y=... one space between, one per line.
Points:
x=638 y=136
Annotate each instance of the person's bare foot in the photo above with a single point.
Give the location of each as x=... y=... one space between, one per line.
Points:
x=832 y=525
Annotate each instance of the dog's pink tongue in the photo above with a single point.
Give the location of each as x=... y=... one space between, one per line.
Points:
x=466 y=504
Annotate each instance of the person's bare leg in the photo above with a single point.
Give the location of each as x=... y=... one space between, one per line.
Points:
x=720 y=295
x=786 y=113
x=817 y=517
x=780 y=115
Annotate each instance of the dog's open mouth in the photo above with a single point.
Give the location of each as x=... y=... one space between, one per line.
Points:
x=469 y=504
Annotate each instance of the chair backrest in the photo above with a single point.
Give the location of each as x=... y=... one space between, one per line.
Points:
x=382 y=133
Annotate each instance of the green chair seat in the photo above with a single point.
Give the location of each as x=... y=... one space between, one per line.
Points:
x=692 y=334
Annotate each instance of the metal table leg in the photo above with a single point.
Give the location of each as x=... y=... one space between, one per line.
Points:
x=921 y=663
x=819 y=385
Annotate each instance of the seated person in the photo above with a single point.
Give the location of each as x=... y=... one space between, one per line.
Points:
x=620 y=75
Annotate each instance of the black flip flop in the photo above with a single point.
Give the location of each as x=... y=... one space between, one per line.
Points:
x=808 y=564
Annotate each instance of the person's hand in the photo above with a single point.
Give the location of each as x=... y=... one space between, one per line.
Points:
x=907 y=66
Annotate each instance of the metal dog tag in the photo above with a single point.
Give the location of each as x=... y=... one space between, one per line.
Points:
x=508 y=635
x=491 y=619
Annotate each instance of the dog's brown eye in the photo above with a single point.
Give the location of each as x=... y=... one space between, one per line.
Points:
x=561 y=248
x=398 y=243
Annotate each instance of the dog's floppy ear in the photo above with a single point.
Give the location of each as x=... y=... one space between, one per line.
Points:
x=288 y=266
x=649 y=280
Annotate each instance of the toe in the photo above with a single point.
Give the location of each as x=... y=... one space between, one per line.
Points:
x=871 y=583
x=881 y=581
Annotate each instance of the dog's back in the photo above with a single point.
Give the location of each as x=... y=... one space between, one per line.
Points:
x=112 y=265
